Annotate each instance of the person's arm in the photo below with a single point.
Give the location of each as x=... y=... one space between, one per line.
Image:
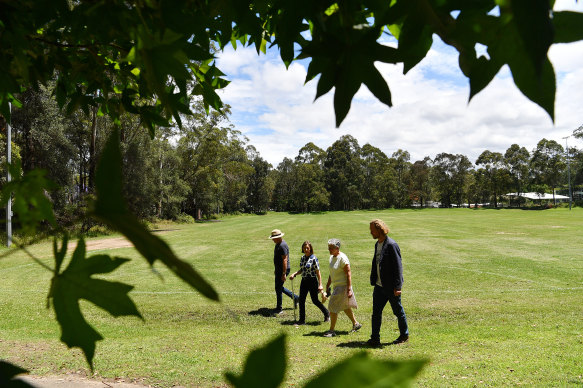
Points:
x=348 y=280
x=284 y=260
x=293 y=275
x=328 y=283
x=320 y=288
x=397 y=269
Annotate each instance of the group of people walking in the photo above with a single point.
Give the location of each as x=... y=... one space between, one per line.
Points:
x=386 y=276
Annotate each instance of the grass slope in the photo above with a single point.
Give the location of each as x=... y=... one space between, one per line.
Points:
x=492 y=298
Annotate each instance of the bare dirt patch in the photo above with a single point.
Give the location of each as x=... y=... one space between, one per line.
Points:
x=76 y=381
x=110 y=243
x=106 y=243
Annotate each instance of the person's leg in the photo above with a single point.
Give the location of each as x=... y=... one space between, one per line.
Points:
x=333 y=318
x=304 y=289
x=379 y=301
x=278 y=290
x=400 y=314
x=355 y=324
x=288 y=292
x=314 y=296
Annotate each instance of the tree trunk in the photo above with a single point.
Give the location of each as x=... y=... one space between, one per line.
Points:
x=92 y=156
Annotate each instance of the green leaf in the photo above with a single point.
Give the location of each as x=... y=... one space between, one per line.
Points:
x=111 y=209
x=30 y=203
x=76 y=282
x=540 y=90
x=362 y=371
x=7 y=374
x=568 y=26
x=375 y=82
x=532 y=18
x=264 y=367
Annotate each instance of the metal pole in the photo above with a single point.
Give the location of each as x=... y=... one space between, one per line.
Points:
x=568 y=168
x=8 y=179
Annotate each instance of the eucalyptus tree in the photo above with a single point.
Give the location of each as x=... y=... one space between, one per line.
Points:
x=46 y=141
x=517 y=160
x=548 y=164
x=206 y=144
x=495 y=171
x=311 y=153
x=285 y=183
x=378 y=191
x=400 y=162
x=309 y=192
x=260 y=186
x=420 y=183
x=449 y=175
x=344 y=174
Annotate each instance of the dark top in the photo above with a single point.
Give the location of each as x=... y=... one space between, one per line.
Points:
x=391 y=268
x=309 y=265
x=280 y=250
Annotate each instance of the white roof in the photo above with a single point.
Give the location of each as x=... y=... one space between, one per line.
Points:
x=533 y=195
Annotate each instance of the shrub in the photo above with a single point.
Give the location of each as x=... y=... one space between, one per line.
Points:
x=184 y=218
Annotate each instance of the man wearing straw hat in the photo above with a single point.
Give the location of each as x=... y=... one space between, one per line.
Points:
x=282 y=269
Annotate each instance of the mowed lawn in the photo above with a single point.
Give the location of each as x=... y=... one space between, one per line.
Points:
x=493 y=298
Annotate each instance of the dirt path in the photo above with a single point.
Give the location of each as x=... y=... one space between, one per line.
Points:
x=106 y=243
x=74 y=381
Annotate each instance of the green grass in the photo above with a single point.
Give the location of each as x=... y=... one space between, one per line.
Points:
x=493 y=298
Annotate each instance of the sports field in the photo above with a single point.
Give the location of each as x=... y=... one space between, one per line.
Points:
x=493 y=298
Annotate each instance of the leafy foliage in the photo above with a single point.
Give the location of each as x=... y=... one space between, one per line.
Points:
x=30 y=202
x=145 y=57
x=76 y=282
x=7 y=374
x=266 y=367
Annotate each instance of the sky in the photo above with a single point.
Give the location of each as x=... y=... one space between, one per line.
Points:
x=273 y=108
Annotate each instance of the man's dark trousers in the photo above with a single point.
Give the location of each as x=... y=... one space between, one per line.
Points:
x=380 y=297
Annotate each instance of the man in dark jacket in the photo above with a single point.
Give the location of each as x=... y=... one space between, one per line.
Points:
x=386 y=275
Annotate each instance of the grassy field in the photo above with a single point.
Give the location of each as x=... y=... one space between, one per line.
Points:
x=493 y=298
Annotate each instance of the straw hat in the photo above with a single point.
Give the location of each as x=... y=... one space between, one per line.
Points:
x=276 y=233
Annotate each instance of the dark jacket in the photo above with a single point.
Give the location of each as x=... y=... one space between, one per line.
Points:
x=391 y=268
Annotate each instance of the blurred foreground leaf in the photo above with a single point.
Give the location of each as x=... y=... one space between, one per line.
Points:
x=362 y=371
x=111 y=209
x=7 y=374
x=76 y=282
x=265 y=367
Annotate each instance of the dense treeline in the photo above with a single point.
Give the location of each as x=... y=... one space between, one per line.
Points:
x=206 y=167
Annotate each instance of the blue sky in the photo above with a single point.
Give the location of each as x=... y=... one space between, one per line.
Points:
x=273 y=108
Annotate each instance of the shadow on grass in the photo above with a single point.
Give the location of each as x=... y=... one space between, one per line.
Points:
x=362 y=345
x=294 y=322
x=321 y=333
x=263 y=311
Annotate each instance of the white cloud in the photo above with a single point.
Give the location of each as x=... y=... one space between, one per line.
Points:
x=430 y=113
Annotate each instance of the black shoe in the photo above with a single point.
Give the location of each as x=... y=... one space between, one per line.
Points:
x=276 y=312
x=401 y=339
x=327 y=318
x=299 y=323
x=373 y=343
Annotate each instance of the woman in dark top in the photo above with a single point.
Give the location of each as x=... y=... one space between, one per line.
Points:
x=311 y=282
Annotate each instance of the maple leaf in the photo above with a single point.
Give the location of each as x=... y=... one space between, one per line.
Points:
x=76 y=282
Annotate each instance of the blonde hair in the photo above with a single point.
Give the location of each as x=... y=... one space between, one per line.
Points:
x=380 y=226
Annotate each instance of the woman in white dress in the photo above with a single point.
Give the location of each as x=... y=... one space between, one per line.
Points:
x=342 y=298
